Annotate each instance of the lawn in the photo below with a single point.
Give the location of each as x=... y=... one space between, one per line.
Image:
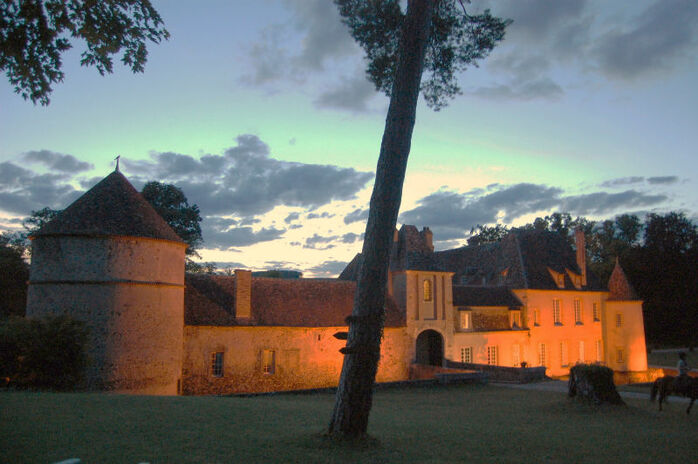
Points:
x=474 y=424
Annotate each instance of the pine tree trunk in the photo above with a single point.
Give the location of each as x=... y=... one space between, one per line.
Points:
x=362 y=352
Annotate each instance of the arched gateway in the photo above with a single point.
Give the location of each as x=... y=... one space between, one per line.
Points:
x=430 y=348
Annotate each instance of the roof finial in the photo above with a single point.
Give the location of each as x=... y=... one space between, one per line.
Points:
x=117 y=163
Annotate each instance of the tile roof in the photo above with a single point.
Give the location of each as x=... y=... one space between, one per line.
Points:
x=112 y=207
x=619 y=286
x=484 y=296
x=210 y=300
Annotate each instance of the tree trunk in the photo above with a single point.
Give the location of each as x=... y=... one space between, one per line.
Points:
x=362 y=352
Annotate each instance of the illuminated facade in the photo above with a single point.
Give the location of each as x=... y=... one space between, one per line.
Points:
x=111 y=261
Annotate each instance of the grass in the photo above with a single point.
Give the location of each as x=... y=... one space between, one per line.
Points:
x=671 y=358
x=474 y=424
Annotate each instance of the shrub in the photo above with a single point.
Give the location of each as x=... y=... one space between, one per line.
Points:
x=43 y=353
x=593 y=382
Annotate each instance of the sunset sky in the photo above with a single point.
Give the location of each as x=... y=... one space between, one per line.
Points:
x=261 y=113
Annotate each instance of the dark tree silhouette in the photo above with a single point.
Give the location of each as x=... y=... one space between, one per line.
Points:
x=34 y=34
x=171 y=203
x=441 y=38
x=14 y=273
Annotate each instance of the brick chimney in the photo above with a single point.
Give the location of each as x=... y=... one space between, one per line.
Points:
x=428 y=237
x=580 y=243
x=243 y=294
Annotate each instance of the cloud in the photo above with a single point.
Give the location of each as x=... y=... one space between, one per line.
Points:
x=328 y=268
x=602 y=203
x=291 y=217
x=351 y=237
x=664 y=33
x=246 y=181
x=451 y=215
x=57 y=161
x=351 y=94
x=324 y=215
x=22 y=190
x=356 y=216
x=622 y=181
x=662 y=180
x=318 y=242
x=221 y=237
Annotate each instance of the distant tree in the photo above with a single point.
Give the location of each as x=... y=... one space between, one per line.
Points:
x=441 y=38
x=171 y=203
x=37 y=219
x=34 y=34
x=481 y=235
x=672 y=233
x=14 y=274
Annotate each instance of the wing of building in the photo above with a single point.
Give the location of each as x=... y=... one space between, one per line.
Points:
x=111 y=261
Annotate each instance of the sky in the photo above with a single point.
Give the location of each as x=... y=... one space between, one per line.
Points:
x=261 y=113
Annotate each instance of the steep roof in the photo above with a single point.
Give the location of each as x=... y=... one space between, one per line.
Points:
x=112 y=207
x=210 y=300
x=619 y=286
x=484 y=296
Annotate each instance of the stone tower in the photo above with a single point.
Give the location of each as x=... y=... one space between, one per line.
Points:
x=110 y=260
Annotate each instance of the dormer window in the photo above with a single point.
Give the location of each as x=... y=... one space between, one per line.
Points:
x=558 y=277
x=515 y=319
x=427 y=290
x=466 y=320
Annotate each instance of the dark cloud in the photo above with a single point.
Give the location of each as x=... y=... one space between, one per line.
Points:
x=292 y=217
x=223 y=233
x=352 y=94
x=356 y=216
x=351 y=237
x=22 y=190
x=328 y=268
x=318 y=242
x=661 y=35
x=246 y=181
x=57 y=161
x=324 y=215
x=603 y=203
x=451 y=215
x=622 y=181
x=540 y=88
x=537 y=20
x=662 y=180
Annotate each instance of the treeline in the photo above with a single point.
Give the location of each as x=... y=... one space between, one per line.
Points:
x=659 y=255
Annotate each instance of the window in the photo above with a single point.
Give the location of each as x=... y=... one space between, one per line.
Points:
x=620 y=356
x=557 y=312
x=619 y=320
x=466 y=354
x=427 y=290
x=578 y=312
x=599 y=351
x=581 y=358
x=597 y=313
x=515 y=319
x=536 y=316
x=564 y=352
x=466 y=320
x=542 y=359
x=492 y=355
x=217 y=364
x=516 y=355
x=268 y=362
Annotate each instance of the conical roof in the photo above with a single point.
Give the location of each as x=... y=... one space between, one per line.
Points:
x=112 y=207
x=619 y=286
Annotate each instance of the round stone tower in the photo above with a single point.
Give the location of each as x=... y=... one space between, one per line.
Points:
x=110 y=260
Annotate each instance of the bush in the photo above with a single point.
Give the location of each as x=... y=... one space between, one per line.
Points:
x=593 y=382
x=43 y=353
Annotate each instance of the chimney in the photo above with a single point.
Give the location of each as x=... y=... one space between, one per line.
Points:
x=428 y=237
x=243 y=294
x=580 y=243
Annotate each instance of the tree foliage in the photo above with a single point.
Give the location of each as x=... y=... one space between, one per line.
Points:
x=171 y=203
x=455 y=41
x=14 y=274
x=45 y=353
x=35 y=33
x=481 y=235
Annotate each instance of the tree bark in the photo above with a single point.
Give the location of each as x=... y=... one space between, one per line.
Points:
x=362 y=352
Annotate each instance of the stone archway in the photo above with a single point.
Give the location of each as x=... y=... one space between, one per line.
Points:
x=430 y=348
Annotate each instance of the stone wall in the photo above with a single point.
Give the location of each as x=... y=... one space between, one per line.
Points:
x=303 y=358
